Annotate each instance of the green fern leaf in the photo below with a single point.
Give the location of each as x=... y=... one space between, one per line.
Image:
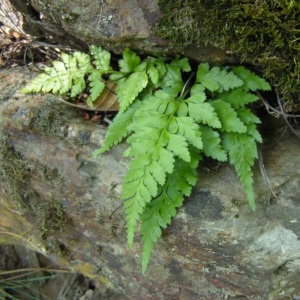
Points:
x=202 y=112
x=228 y=117
x=129 y=62
x=101 y=59
x=96 y=85
x=177 y=144
x=165 y=158
x=64 y=76
x=153 y=74
x=187 y=128
x=197 y=88
x=212 y=144
x=253 y=131
x=214 y=79
x=182 y=64
x=129 y=88
x=172 y=82
x=242 y=154
x=251 y=80
x=159 y=212
x=239 y=97
x=247 y=116
x=138 y=192
x=119 y=129
x=84 y=67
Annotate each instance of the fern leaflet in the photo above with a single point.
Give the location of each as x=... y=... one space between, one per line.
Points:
x=118 y=130
x=242 y=154
x=159 y=212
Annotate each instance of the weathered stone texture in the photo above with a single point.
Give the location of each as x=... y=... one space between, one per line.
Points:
x=112 y=24
x=216 y=247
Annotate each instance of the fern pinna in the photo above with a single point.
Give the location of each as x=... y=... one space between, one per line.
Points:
x=169 y=124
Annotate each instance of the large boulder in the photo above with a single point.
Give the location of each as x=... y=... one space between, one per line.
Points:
x=65 y=204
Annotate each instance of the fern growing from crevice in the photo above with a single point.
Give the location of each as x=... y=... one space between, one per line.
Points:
x=169 y=123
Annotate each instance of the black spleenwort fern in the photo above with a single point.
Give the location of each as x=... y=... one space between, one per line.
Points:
x=169 y=125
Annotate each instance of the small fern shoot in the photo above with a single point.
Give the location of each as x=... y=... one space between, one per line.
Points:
x=169 y=123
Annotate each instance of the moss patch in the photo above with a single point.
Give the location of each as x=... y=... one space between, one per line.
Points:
x=264 y=33
x=49 y=215
x=14 y=172
x=47 y=119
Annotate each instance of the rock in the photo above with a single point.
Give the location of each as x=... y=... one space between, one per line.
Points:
x=113 y=25
x=68 y=202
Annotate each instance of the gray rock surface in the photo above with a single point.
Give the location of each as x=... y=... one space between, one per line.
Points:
x=112 y=24
x=68 y=205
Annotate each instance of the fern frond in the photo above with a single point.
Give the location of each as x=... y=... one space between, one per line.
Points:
x=242 y=152
x=101 y=59
x=247 y=116
x=128 y=88
x=159 y=212
x=215 y=79
x=168 y=124
x=204 y=113
x=119 y=129
x=239 y=97
x=212 y=143
x=64 y=76
x=148 y=149
x=172 y=82
x=140 y=186
x=182 y=63
x=251 y=80
x=129 y=62
x=228 y=117
x=154 y=150
x=189 y=129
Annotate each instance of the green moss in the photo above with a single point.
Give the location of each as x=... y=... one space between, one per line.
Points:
x=14 y=172
x=48 y=215
x=47 y=119
x=263 y=33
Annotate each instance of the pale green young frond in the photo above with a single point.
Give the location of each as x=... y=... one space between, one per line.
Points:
x=63 y=76
x=129 y=88
x=101 y=59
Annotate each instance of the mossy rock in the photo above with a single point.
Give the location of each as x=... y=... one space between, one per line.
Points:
x=265 y=34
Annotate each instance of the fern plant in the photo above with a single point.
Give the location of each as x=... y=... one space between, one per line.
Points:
x=170 y=116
